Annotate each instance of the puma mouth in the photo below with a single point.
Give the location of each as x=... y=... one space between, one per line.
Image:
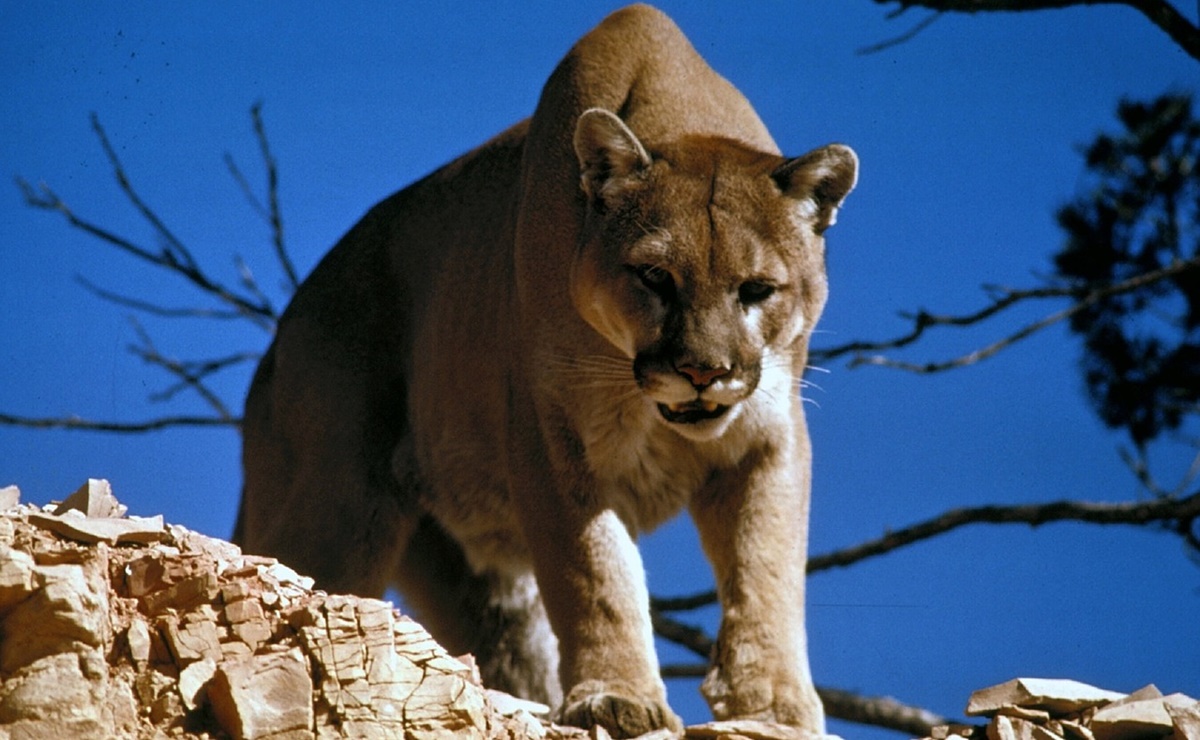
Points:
x=691 y=412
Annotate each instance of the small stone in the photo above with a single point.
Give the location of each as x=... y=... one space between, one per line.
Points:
x=244 y=611
x=508 y=705
x=138 y=637
x=192 y=682
x=10 y=496
x=94 y=499
x=1014 y=728
x=236 y=591
x=16 y=576
x=1128 y=720
x=253 y=633
x=191 y=642
x=1056 y=696
x=755 y=729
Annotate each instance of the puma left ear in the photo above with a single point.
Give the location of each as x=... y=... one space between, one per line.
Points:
x=820 y=180
x=609 y=154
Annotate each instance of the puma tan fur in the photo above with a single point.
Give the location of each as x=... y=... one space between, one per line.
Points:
x=509 y=369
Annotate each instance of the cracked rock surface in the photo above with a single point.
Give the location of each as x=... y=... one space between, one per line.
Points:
x=114 y=626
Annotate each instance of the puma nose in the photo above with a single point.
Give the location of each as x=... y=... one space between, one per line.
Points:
x=702 y=377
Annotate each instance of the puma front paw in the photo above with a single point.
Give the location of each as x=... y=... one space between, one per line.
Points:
x=617 y=709
x=752 y=693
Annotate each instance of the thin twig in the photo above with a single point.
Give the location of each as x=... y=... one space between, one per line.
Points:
x=201 y=369
x=903 y=38
x=174 y=256
x=275 y=217
x=980 y=354
x=1159 y=12
x=692 y=638
x=1007 y=298
x=44 y=198
x=155 y=309
x=175 y=249
x=187 y=375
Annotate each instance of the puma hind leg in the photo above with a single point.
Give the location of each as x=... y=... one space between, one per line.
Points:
x=497 y=617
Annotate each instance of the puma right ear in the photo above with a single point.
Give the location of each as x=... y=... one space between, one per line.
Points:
x=610 y=156
x=820 y=180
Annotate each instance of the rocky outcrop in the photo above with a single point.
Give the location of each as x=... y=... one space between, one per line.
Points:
x=1060 y=709
x=113 y=626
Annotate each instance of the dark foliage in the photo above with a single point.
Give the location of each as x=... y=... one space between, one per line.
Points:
x=1141 y=214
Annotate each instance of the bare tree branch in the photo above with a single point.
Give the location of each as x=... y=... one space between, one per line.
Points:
x=879 y=711
x=1159 y=12
x=876 y=711
x=1177 y=514
x=191 y=375
x=692 y=638
x=174 y=252
x=903 y=38
x=172 y=255
x=80 y=424
x=154 y=309
x=1169 y=511
x=1006 y=299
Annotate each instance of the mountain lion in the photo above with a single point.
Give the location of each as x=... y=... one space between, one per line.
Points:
x=509 y=369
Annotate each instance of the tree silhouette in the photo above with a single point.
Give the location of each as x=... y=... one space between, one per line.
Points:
x=1141 y=348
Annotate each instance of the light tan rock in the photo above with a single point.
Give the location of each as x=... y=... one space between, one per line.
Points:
x=263 y=695
x=51 y=698
x=244 y=610
x=1003 y=727
x=193 y=680
x=76 y=526
x=1139 y=715
x=1186 y=717
x=509 y=705
x=1056 y=696
x=67 y=612
x=94 y=499
x=16 y=576
x=10 y=496
x=749 y=729
x=137 y=636
x=956 y=731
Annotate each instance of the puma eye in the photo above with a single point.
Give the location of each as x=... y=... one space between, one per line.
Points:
x=754 y=291
x=656 y=279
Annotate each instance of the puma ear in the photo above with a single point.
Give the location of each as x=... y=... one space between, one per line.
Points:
x=609 y=154
x=820 y=180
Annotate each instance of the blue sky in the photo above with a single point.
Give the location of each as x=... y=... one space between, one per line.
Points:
x=968 y=136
